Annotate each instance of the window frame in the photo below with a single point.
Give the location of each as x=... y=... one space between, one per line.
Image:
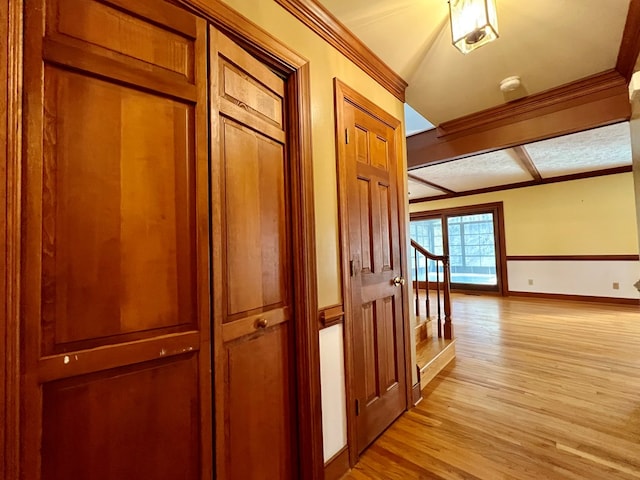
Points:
x=497 y=210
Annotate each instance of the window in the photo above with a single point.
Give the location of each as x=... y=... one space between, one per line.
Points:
x=473 y=241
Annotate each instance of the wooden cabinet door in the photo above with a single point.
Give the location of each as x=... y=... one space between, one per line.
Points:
x=378 y=346
x=253 y=306
x=115 y=334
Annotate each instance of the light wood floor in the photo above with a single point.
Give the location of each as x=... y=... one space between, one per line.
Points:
x=539 y=390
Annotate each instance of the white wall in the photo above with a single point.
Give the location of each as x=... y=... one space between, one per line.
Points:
x=575 y=277
x=334 y=415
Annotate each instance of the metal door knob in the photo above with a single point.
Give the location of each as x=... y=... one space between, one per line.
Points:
x=397 y=281
x=262 y=323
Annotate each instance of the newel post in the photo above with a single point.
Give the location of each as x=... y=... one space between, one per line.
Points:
x=448 y=326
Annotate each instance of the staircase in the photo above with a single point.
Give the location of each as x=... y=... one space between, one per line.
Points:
x=432 y=295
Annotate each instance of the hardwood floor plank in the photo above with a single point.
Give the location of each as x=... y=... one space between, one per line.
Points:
x=540 y=389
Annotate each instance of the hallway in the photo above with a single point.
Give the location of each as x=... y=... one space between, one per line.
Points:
x=540 y=389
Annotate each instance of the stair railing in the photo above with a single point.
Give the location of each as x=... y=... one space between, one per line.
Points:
x=445 y=328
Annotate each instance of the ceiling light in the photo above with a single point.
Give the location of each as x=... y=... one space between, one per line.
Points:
x=473 y=23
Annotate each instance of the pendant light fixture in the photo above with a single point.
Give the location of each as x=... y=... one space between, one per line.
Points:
x=473 y=23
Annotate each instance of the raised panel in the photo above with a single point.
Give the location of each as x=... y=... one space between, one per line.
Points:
x=256 y=241
x=385 y=239
x=370 y=352
x=260 y=422
x=386 y=340
x=362 y=145
x=365 y=234
x=242 y=89
x=379 y=152
x=95 y=23
x=123 y=424
x=118 y=240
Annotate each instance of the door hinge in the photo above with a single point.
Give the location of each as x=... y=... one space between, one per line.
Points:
x=346 y=136
x=357 y=407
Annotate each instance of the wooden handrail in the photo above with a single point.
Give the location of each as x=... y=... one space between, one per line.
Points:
x=445 y=330
x=427 y=253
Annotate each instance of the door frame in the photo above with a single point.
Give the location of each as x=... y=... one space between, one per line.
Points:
x=343 y=92
x=497 y=209
x=296 y=72
x=11 y=65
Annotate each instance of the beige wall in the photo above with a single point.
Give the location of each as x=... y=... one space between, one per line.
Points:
x=594 y=216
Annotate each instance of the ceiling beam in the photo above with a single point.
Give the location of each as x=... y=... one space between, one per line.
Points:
x=427 y=183
x=630 y=44
x=592 y=102
x=522 y=155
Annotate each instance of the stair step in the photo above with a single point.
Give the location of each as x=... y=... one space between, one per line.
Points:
x=433 y=356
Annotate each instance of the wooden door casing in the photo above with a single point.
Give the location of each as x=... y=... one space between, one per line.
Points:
x=115 y=333
x=371 y=210
x=255 y=387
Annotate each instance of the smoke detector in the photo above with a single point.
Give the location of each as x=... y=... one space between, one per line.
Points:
x=510 y=84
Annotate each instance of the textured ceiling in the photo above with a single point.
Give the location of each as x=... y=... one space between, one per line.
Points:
x=593 y=150
x=605 y=147
x=547 y=43
x=418 y=190
x=479 y=171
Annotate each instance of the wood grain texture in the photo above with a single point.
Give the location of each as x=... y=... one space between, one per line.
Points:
x=593 y=102
x=337 y=466
x=600 y=85
x=295 y=69
x=325 y=24
x=539 y=389
x=81 y=413
x=630 y=43
x=525 y=160
x=330 y=316
x=252 y=234
x=115 y=256
x=370 y=202
x=11 y=24
x=269 y=191
x=305 y=273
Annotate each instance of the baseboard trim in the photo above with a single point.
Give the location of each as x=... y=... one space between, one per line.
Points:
x=417 y=394
x=577 y=298
x=338 y=465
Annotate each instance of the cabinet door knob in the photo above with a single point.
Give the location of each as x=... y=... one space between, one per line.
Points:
x=262 y=323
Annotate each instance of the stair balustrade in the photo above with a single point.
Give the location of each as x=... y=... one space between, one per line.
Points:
x=441 y=262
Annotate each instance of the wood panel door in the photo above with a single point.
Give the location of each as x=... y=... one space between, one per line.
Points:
x=369 y=177
x=256 y=407
x=115 y=333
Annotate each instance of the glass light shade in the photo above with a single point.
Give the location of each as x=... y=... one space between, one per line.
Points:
x=473 y=23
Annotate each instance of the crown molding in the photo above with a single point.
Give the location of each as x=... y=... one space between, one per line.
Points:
x=630 y=44
x=328 y=27
x=534 y=105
